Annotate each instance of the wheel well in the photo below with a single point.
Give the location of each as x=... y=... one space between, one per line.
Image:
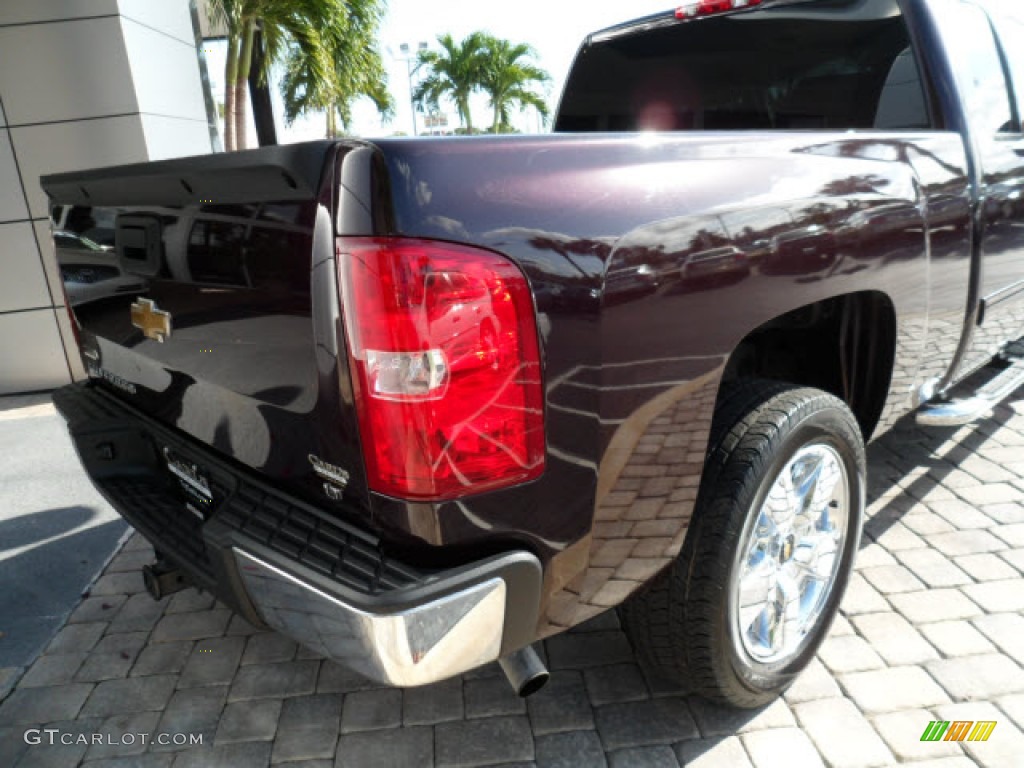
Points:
x=845 y=345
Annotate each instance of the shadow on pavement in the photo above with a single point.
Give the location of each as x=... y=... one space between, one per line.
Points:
x=16 y=402
x=903 y=450
x=40 y=586
x=23 y=530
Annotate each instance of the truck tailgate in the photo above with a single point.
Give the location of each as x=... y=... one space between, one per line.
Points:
x=208 y=325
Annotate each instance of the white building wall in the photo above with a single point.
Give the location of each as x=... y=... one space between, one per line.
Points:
x=83 y=84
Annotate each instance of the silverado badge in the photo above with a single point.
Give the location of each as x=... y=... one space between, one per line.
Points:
x=154 y=323
x=336 y=478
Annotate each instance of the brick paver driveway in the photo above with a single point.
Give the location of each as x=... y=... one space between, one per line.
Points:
x=932 y=629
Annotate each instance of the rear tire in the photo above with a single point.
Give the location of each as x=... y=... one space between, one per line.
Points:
x=777 y=520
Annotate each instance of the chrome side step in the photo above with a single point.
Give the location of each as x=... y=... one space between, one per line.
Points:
x=956 y=413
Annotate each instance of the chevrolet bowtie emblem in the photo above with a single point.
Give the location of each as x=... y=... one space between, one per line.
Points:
x=154 y=323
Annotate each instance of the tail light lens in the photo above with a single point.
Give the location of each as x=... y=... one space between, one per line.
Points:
x=711 y=7
x=75 y=328
x=446 y=367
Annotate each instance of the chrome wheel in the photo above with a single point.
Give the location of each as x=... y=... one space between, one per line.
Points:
x=789 y=560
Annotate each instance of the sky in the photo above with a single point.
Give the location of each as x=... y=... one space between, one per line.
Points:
x=555 y=28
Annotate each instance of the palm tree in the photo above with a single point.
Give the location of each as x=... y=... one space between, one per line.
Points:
x=303 y=24
x=357 y=70
x=454 y=72
x=508 y=79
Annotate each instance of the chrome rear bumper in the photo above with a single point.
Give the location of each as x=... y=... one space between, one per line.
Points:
x=310 y=574
x=430 y=633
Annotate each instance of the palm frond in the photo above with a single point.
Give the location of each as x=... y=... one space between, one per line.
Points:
x=329 y=66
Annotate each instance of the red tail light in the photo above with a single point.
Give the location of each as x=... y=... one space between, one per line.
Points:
x=710 y=7
x=75 y=328
x=446 y=367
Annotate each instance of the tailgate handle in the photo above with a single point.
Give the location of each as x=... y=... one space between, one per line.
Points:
x=139 y=245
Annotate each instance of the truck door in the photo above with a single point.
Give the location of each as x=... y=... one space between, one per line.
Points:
x=983 y=65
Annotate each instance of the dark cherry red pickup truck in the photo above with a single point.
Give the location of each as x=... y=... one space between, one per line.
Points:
x=421 y=403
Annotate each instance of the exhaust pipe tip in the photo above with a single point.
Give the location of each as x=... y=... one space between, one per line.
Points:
x=161 y=579
x=525 y=671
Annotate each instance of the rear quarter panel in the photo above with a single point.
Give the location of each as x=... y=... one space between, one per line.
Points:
x=651 y=257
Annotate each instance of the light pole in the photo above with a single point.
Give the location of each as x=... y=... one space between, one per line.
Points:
x=406 y=50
